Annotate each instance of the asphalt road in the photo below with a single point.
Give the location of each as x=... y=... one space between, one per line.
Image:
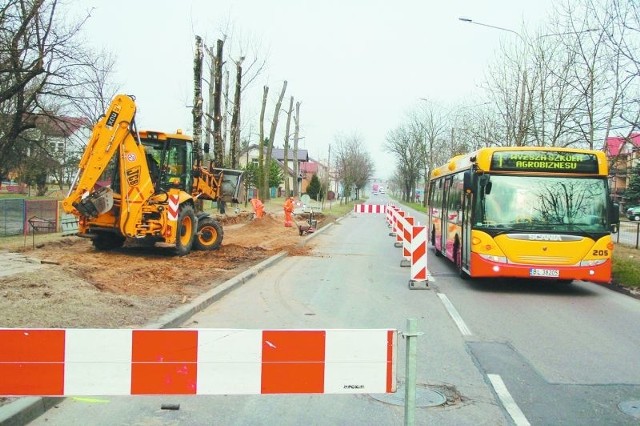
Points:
x=499 y=352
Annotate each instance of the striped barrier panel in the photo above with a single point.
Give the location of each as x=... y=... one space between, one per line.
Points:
x=369 y=208
x=394 y=221
x=65 y=362
x=399 y=231
x=388 y=217
x=406 y=241
x=419 y=273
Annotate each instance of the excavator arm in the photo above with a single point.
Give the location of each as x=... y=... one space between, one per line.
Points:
x=107 y=136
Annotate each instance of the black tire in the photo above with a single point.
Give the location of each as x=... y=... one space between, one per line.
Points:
x=186 y=231
x=433 y=242
x=209 y=235
x=105 y=241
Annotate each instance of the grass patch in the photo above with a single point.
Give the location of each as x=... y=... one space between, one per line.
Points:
x=626 y=266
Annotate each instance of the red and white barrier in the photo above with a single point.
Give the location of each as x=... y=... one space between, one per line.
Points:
x=408 y=224
x=398 y=229
x=61 y=362
x=413 y=240
x=369 y=208
x=419 y=273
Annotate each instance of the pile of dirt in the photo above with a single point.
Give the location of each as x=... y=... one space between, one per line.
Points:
x=129 y=287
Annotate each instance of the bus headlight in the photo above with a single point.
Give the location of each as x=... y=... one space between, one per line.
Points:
x=492 y=258
x=593 y=262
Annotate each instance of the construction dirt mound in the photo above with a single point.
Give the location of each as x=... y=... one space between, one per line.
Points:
x=77 y=286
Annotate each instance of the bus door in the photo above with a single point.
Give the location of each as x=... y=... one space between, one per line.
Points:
x=444 y=223
x=466 y=231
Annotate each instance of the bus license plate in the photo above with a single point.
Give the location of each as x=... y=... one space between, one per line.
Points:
x=536 y=272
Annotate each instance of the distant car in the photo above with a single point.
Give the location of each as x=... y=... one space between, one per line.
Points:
x=633 y=213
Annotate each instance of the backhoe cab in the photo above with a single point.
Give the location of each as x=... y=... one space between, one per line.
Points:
x=146 y=185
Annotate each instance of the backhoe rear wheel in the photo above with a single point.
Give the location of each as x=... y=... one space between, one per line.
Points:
x=209 y=236
x=186 y=230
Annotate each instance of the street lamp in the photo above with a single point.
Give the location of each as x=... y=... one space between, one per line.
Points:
x=471 y=21
x=522 y=131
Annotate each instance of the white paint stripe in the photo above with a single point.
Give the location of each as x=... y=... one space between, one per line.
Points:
x=229 y=362
x=455 y=315
x=97 y=362
x=507 y=401
x=355 y=361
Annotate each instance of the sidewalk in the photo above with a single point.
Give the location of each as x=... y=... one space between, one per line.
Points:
x=25 y=409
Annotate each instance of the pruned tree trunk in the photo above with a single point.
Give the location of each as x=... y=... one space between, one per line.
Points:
x=234 y=142
x=261 y=162
x=218 y=151
x=210 y=101
x=197 y=99
x=225 y=115
x=272 y=135
x=296 y=164
x=285 y=165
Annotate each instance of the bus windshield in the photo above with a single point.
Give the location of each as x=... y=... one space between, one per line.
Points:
x=557 y=204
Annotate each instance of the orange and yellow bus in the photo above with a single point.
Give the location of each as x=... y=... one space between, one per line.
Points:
x=524 y=212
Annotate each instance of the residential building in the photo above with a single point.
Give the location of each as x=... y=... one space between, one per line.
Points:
x=623 y=154
x=307 y=167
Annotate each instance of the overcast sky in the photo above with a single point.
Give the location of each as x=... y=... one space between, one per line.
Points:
x=356 y=66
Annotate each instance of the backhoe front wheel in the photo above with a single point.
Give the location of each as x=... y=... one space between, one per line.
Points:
x=209 y=235
x=186 y=231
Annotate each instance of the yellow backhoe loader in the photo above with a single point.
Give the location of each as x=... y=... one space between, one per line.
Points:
x=146 y=185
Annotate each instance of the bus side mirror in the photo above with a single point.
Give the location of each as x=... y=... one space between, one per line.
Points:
x=485 y=183
x=468 y=182
x=614 y=217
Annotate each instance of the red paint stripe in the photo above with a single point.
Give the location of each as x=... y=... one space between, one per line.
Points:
x=390 y=361
x=421 y=275
x=419 y=252
x=164 y=362
x=32 y=362
x=293 y=361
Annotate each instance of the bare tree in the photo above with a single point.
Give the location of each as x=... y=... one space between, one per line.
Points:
x=353 y=164
x=272 y=136
x=296 y=138
x=234 y=142
x=406 y=144
x=197 y=98
x=287 y=136
x=261 y=162
x=43 y=70
x=583 y=36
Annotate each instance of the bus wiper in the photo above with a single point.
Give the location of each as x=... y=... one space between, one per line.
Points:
x=579 y=227
x=575 y=227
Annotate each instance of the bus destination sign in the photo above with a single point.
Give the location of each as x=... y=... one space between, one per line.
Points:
x=544 y=161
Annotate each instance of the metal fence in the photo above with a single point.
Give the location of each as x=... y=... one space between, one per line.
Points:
x=19 y=216
x=628 y=234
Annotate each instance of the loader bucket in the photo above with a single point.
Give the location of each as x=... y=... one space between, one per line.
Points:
x=231 y=183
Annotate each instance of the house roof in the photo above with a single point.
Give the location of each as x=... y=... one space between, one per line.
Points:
x=278 y=154
x=309 y=167
x=614 y=144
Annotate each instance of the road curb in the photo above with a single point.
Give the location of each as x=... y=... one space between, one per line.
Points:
x=26 y=409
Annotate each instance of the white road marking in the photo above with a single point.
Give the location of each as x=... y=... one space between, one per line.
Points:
x=455 y=315
x=507 y=401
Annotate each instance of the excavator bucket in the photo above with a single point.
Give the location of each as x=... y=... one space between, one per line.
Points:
x=231 y=184
x=97 y=203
